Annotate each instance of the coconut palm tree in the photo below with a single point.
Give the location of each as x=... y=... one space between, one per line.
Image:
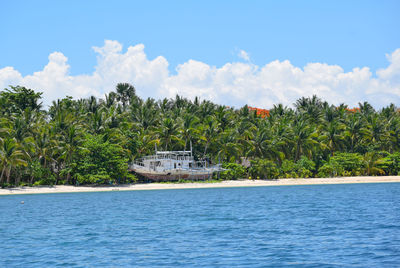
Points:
x=10 y=157
x=71 y=142
x=304 y=138
x=227 y=148
x=209 y=130
x=354 y=131
x=332 y=136
x=188 y=129
x=376 y=131
x=167 y=132
x=371 y=160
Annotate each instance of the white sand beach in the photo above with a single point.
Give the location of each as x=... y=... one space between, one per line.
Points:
x=223 y=184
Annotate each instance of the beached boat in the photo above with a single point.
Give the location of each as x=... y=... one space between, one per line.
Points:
x=173 y=165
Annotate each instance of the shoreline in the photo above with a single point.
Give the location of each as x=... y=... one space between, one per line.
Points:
x=200 y=185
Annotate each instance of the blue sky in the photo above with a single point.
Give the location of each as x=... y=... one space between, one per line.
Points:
x=349 y=34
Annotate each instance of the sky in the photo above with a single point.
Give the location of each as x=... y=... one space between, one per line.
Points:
x=234 y=53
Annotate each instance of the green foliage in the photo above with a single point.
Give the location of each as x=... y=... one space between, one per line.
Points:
x=18 y=99
x=330 y=169
x=51 y=147
x=234 y=171
x=101 y=162
x=372 y=162
x=38 y=172
x=303 y=168
x=288 y=169
x=390 y=164
x=348 y=164
x=47 y=181
x=263 y=169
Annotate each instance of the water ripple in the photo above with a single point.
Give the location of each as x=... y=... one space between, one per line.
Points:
x=294 y=226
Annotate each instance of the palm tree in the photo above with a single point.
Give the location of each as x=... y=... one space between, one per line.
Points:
x=366 y=108
x=43 y=142
x=224 y=117
x=97 y=122
x=394 y=132
x=188 y=129
x=311 y=108
x=145 y=114
x=332 y=137
x=376 y=131
x=227 y=147
x=354 y=132
x=209 y=130
x=281 y=134
x=71 y=142
x=110 y=99
x=260 y=140
x=279 y=111
x=167 y=132
x=206 y=109
x=125 y=93
x=91 y=104
x=304 y=138
x=62 y=120
x=10 y=157
x=112 y=117
x=371 y=160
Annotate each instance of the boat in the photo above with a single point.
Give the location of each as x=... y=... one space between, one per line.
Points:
x=173 y=166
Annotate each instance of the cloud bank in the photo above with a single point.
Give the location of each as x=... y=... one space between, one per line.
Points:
x=233 y=84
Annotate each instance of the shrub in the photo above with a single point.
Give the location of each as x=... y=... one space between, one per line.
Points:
x=263 y=169
x=101 y=162
x=390 y=164
x=371 y=164
x=288 y=169
x=331 y=169
x=347 y=163
x=234 y=171
x=37 y=172
x=48 y=181
x=305 y=167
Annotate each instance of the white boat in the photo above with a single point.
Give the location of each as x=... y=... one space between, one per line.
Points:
x=173 y=165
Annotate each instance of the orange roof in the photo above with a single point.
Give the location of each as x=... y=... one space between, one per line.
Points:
x=260 y=112
x=354 y=110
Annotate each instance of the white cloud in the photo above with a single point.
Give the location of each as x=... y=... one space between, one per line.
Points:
x=244 y=55
x=392 y=73
x=233 y=84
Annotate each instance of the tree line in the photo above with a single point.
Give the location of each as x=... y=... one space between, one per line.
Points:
x=91 y=140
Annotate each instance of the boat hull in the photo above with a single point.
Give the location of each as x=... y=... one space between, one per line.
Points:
x=174 y=175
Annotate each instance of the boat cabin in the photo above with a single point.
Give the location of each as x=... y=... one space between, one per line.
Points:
x=169 y=160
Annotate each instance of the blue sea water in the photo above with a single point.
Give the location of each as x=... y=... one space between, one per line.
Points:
x=355 y=225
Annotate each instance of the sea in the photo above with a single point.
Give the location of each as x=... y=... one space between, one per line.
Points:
x=349 y=225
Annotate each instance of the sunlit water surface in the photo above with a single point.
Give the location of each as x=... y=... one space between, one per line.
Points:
x=355 y=225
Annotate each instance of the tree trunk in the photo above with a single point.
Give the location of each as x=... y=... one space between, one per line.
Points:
x=297 y=152
x=8 y=173
x=205 y=150
x=2 y=173
x=17 y=178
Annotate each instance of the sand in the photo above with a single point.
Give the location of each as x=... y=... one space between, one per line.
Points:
x=223 y=184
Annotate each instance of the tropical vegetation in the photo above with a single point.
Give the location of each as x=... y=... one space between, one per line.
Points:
x=91 y=141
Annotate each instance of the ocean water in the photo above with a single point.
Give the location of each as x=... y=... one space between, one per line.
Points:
x=356 y=225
